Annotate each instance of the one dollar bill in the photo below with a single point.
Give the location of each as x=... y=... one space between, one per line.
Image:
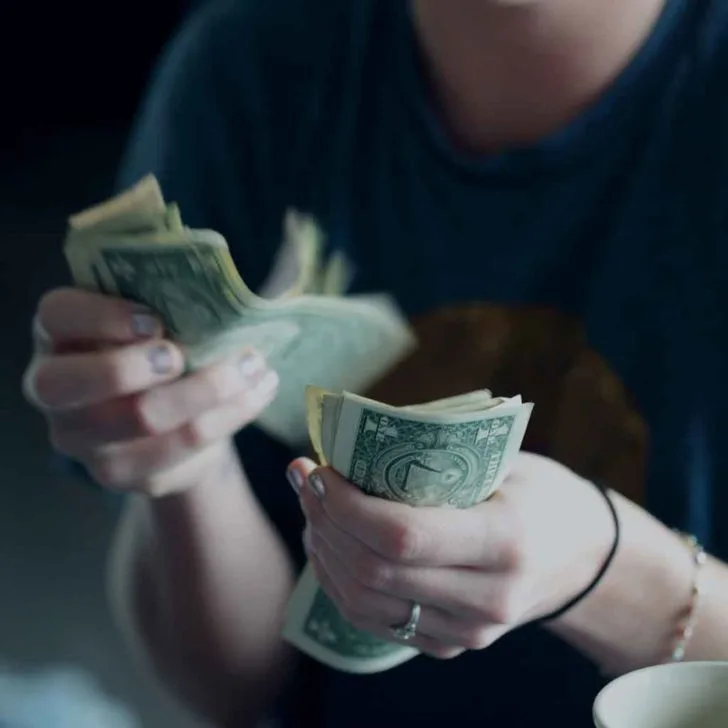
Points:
x=136 y=246
x=453 y=453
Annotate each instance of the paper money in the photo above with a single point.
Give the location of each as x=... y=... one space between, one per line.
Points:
x=452 y=453
x=136 y=246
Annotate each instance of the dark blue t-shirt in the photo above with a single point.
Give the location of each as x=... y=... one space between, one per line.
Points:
x=586 y=272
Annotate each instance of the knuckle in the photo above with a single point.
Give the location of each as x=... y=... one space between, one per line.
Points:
x=217 y=384
x=477 y=638
x=195 y=436
x=49 y=301
x=249 y=407
x=40 y=386
x=506 y=609
x=373 y=572
x=445 y=653
x=109 y=473
x=113 y=371
x=511 y=545
x=152 y=486
x=512 y=555
x=141 y=415
x=403 y=542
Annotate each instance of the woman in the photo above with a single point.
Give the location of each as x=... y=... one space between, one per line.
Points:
x=540 y=184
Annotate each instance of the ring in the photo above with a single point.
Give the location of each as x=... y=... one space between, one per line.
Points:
x=408 y=630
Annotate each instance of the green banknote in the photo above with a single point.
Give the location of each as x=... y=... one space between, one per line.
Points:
x=136 y=247
x=451 y=453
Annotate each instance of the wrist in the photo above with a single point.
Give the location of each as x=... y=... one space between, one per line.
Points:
x=630 y=617
x=204 y=471
x=600 y=536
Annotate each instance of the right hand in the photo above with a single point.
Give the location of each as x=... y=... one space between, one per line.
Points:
x=111 y=388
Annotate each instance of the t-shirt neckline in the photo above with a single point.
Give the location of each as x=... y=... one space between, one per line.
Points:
x=601 y=123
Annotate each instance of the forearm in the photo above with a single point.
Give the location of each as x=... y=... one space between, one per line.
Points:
x=632 y=618
x=200 y=581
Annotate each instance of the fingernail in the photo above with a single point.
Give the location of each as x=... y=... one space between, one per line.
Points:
x=161 y=359
x=295 y=479
x=317 y=485
x=251 y=365
x=144 y=325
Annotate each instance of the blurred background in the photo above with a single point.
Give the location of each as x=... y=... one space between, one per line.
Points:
x=72 y=76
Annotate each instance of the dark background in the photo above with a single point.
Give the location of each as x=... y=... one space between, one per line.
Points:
x=71 y=77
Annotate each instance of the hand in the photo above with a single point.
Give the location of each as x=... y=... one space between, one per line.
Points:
x=112 y=391
x=477 y=573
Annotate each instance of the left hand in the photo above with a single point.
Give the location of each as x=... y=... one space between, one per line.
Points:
x=477 y=573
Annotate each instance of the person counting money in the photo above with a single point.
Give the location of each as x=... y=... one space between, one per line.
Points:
x=539 y=185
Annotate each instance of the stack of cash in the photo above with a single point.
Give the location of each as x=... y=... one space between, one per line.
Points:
x=136 y=247
x=451 y=453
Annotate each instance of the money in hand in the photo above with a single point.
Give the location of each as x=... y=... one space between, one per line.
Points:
x=452 y=453
x=135 y=246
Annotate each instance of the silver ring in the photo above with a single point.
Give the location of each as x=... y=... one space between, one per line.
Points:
x=408 y=630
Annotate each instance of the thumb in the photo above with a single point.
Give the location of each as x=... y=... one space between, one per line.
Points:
x=298 y=471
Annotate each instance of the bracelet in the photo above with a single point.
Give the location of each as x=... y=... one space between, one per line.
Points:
x=689 y=616
x=600 y=574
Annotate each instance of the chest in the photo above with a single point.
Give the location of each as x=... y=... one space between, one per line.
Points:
x=579 y=291
x=592 y=288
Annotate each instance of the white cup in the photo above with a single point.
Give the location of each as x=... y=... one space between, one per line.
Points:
x=680 y=695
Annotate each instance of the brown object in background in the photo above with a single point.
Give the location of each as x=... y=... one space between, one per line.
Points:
x=583 y=416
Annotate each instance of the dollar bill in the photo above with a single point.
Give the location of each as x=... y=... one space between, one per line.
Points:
x=136 y=246
x=452 y=453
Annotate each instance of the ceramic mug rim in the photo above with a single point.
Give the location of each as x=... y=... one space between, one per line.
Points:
x=607 y=690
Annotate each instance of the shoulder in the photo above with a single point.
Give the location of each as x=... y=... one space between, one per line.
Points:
x=232 y=41
x=232 y=106
x=240 y=86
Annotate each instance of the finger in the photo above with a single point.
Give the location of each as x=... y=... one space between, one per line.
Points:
x=421 y=642
x=462 y=592
x=168 y=406
x=42 y=344
x=70 y=315
x=179 y=476
x=380 y=614
x=479 y=537
x=70 y=381
x=298 y=471
x=134 y=465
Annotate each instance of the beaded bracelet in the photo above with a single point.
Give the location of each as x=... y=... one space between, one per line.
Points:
x=689 y=616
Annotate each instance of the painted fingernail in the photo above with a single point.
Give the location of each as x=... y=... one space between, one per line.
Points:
x=144 y=325
x=251 y=365
x=161 y=359
x=295 y=479
x=317 y=485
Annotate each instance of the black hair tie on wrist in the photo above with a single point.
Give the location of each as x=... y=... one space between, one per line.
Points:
x=600 y=574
